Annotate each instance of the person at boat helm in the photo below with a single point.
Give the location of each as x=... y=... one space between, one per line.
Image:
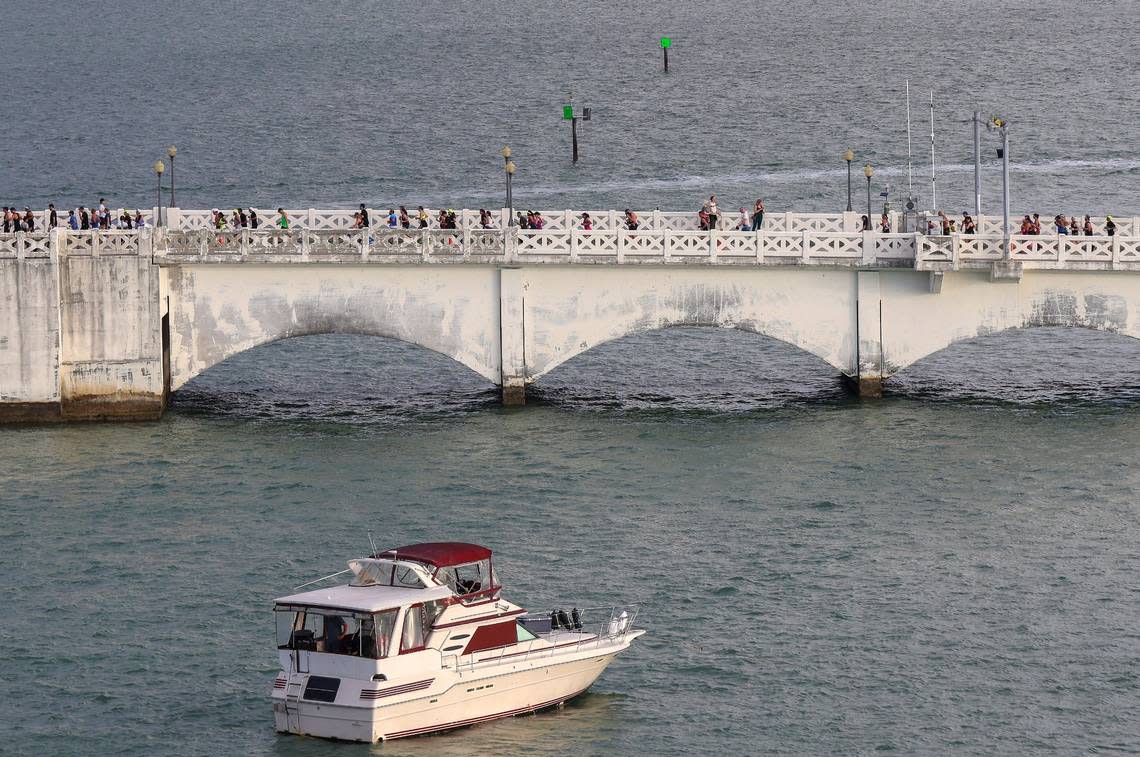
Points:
x=337 y=640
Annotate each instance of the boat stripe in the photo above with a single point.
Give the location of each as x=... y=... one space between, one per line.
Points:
x=473 y=721
x=394 y=690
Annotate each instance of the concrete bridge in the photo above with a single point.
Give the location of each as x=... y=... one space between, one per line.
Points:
x=98 y=325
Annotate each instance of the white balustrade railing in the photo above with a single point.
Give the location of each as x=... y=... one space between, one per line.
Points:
x=806 y=247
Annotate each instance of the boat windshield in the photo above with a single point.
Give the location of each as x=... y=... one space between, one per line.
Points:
x=379 y=572
x=341 y=632
x=471 y=578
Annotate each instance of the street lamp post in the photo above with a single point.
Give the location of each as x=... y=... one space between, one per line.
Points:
x=170 y=153
x=868 y=172
x=509 y=167
x=1000 y=125
x=849 y=156
x=159 y=167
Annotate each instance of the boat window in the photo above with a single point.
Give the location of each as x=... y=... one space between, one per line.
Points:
x=467 y=579
x=523 y=634
x=408 y=578
x=376 y=634
x=412 y=638
x=432 y=611
x=341 y=632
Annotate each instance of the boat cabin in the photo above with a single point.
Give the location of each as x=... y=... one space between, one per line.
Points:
x=390 y=605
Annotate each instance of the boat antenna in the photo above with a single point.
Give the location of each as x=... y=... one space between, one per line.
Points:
x=933 y=185
x=909 y=179
x=323 y=578
x=371 y=543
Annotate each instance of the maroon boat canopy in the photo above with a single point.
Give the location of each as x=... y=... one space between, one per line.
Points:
x=441 y=554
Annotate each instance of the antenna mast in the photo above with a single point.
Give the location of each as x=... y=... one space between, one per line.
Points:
x=909 y=179
x=933 y=184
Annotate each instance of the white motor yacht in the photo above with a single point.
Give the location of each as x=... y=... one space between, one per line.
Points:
x=420 y=640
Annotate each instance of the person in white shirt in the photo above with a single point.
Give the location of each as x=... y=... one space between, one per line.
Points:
x=711 y=209
x=744 y=224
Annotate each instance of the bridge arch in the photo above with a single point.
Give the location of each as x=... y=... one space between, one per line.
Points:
x=569 y=312
x=216 y=313
x=916 y=323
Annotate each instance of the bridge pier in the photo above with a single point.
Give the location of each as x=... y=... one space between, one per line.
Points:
x=512 y=336
x=869 y=334
x=80 y=337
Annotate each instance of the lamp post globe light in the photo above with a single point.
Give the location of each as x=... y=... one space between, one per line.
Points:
x=159 y=167
x=849 y=156
x=170 y=153
x=868 y=172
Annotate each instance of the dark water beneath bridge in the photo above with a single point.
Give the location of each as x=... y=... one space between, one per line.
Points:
x=951 y=569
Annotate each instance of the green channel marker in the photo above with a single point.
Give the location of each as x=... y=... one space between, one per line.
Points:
x=666 y=42
x=568 y=112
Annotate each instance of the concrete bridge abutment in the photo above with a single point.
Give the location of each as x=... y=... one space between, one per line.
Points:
x=80 y=339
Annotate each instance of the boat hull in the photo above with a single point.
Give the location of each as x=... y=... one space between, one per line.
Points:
x=462 y=699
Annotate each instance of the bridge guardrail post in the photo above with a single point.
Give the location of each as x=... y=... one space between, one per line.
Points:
x=869 y=241
x=310 y=218
x=759 y=247
x=365 y=243
x=621 y=235
x=713 y=243
x=425 y=244
x=466 y=249
x=805 y=246
x=304 y=244
x=1115 y=251
x=574 y=236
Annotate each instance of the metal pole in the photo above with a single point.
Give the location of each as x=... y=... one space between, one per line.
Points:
x=868 y=201
x=574 y=134
x=172 y=202
x=977 y=166
x=159 y=219
x=909 y=159
x=1005 y=189
x=933 y=184
x=666 y=51
x=848 y=186
x=510 y=203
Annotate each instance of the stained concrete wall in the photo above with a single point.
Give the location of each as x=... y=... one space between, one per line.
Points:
x=29 y=339
x=916 y=323
x=221 y=310
x=570 y=309
x=111 y=338
x=84 y=339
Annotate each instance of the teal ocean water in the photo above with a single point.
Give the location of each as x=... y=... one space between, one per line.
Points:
x=950 y=569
